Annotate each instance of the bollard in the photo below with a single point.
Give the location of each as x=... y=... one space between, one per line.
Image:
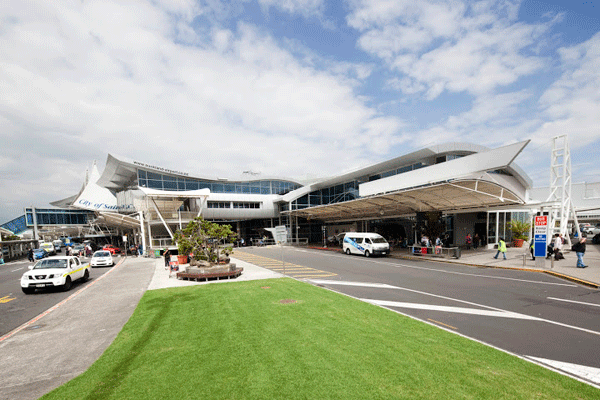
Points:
x=524 y=257
x=551 y=262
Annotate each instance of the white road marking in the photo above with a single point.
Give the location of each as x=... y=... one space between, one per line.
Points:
x=18 y=269
x=573 y=301
x=582 y=371
x=526 y=317
x=397 y=265
x=458 y=310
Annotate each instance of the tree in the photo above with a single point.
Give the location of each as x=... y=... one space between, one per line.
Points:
x=519 y=229
x=203 y=239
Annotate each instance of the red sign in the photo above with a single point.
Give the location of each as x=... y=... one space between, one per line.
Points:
x=541 y=220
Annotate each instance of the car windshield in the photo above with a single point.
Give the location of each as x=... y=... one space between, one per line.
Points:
x=378 y=240
x=51 y=263
x=38 y=250
x=102 y=254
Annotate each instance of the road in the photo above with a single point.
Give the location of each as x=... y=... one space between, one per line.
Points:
x=533 y=315
x=16 y=307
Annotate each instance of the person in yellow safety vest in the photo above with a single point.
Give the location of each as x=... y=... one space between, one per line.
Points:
x=501 y=249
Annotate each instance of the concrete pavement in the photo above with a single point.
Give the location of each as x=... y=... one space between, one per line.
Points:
x=66 y=340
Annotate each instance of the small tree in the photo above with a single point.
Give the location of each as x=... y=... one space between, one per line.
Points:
x=519 y=229
x=203 y=239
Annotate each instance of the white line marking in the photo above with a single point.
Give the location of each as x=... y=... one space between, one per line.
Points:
x=459 y=310
x=582 y=371
x=396 y=265
x=18 y=269
x=327 y=282
x=573 y=301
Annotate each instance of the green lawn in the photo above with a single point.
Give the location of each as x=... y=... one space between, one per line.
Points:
x=236 y=340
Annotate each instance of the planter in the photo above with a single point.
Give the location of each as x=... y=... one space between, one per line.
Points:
x=518 y=243
x=182 y=259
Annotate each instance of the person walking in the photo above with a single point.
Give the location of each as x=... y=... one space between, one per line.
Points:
x=501 y=249
x=579 y=249
x=30 y=255
x=468 y=241
x=167 y=255
x=476 y=241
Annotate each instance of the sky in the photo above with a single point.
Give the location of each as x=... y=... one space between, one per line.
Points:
x=288 y=88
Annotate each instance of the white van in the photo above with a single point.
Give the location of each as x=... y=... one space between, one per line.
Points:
x=366 y=244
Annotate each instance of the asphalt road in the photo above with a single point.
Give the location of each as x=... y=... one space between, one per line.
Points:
x=530 y=314
x=16 y=307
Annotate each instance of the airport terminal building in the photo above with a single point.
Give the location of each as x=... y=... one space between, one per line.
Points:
x=476 y=189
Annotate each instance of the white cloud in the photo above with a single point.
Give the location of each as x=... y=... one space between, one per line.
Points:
x=305 y=8
x=80 y=80
x=454 y=46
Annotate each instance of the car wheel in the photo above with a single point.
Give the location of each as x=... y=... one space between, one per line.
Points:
x=67 y=286
x=367 y=254
x=27 y=290
x=86 y=275
x=348 y=251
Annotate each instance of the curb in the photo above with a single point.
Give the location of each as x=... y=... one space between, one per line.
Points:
x=556 y=274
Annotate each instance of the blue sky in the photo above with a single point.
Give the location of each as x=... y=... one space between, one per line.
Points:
x=290 y=88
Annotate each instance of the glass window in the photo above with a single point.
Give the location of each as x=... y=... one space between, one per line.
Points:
x=141 y=174
x=152 y=175
x=229 y=188
x=154 y=184
x=217 y=187
x=191 y=184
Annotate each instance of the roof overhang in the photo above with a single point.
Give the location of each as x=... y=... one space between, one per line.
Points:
x=456 y=195
x=118 y=220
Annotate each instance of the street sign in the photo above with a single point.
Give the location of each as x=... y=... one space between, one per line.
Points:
x=540 y=236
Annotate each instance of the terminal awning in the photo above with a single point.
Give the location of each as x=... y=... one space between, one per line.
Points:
x=453 y=195
x=118 y=220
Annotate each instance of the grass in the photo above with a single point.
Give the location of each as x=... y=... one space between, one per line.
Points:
x=238 y=341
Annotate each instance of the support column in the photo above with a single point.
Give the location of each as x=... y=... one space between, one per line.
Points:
x=141 y=217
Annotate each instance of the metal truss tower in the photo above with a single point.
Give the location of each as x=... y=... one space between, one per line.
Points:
x=561 y=209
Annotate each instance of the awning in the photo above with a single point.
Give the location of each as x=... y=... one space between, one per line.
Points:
x=456 y=195
x=118 y=220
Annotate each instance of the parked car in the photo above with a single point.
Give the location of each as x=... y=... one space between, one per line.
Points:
x=49 y=247
x=59 y=272
x=102 y=258
x=593 y=230
x=113 y=250
x=596 y=239
x=57 y=245
x=78 y=249
x=38 y=254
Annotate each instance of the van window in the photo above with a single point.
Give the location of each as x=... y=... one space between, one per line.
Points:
x=367 y=241
x=379 y=240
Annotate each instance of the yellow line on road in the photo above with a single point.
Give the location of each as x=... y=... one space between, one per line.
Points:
x=441 y=323
x=6 y=299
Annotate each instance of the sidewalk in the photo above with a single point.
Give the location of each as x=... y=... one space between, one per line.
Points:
x=566 y=268
x=63 y=342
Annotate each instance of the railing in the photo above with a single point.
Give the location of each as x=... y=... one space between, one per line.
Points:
x=435 y=251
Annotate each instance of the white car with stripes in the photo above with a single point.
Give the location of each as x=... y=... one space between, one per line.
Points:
x=58 y=272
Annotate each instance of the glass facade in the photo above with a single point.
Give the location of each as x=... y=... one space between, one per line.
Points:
x=155 y=180
x=346 y=191
x=53 y=216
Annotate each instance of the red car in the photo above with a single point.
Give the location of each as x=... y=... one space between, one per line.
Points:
x=113 y=250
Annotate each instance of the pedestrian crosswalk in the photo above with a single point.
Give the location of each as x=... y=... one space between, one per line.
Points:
x=283 y=267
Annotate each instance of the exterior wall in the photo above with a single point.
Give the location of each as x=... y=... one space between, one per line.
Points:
x=268 y=208
x=463 y=224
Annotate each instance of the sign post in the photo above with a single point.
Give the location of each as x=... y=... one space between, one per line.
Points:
x=540 y=237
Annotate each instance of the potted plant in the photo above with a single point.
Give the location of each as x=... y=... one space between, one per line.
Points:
x=520 y=232
x=203 y=239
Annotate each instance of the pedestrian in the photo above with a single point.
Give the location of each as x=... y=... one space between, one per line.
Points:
x=167 y=255
x=501 y=249
x=531 y=245
x=68 y=251
x=579 y=249
x=557 y=247
x=140 y=250
x=30 y=255
x=476 y=241
x=468 y=241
